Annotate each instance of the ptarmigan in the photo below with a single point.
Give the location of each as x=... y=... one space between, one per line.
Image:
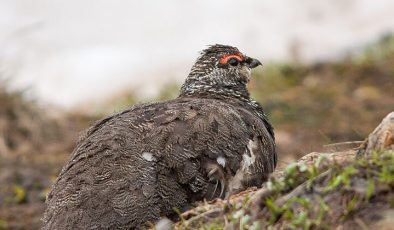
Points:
x=137 y=166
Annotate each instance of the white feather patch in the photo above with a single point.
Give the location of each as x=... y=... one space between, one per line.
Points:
x=222 y=161
x=246 y=159
x=148 y=156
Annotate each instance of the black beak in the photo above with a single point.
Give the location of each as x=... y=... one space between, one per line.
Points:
x=252 y=63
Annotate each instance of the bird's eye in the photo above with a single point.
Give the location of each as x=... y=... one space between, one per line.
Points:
x=231 y=59
x=233 y=62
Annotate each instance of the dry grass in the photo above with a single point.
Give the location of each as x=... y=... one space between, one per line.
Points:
x=34 y=144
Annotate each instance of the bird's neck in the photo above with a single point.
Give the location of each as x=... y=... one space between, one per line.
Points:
x=232 y=93
x=214 y=89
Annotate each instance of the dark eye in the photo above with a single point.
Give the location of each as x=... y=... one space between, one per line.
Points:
x=233 y=62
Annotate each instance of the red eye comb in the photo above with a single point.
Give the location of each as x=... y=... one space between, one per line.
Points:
x=224 y=59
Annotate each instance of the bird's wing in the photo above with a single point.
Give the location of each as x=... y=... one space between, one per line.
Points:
x=156 y=157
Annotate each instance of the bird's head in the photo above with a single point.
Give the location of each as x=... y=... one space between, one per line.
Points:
x=220 y=67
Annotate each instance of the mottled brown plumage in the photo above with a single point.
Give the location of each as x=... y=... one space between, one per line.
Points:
x=137 y=166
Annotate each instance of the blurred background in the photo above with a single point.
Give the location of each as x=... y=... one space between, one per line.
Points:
x=328 y=74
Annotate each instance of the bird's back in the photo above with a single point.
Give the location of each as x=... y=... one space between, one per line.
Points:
x=141 y=164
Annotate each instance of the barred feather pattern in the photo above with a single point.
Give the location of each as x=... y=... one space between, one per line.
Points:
x=139 y=165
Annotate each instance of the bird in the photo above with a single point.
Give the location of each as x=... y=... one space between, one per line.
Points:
x=157 y=159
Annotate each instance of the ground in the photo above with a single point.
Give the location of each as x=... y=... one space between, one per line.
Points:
x=310 y=106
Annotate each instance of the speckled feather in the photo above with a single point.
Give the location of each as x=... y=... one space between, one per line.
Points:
x=137 y=166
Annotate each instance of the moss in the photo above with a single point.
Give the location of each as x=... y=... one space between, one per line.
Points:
x=326 y=201
x=19 y=194
x=3 y=224
x=301 y=212
x=214 y=226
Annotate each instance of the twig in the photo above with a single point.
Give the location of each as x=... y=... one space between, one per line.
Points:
x=202 y=215
x=343 y=143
